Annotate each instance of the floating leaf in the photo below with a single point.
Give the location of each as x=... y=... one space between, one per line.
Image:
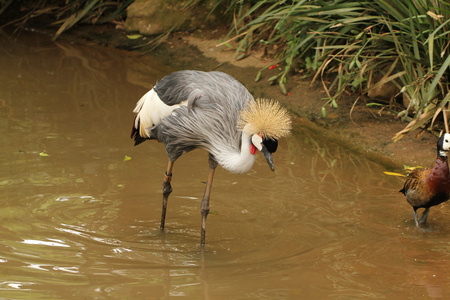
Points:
x=133 y=36
x=421 y=261
x=44 y=154
x=126 y=158
x=409 y=168
x=394 y=174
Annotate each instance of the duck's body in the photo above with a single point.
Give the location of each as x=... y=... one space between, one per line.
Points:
x=213 y=111
x=425 y=188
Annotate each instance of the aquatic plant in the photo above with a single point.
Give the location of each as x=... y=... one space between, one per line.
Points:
x=345 y=44
x=342 y=44
x=64 y=14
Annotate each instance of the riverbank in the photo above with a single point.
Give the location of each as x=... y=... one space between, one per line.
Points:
x=364 y=129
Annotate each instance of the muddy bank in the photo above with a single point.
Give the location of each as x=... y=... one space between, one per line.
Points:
x=367 y=130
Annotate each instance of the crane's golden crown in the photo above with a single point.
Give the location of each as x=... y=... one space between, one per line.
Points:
x=266 y=117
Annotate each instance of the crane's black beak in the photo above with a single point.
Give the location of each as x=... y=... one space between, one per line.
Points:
x=268 y=157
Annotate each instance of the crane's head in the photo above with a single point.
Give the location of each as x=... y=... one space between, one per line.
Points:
x=265 y=146
x=266 y=121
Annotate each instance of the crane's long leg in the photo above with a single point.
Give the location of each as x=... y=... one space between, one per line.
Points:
x=205 y=201
x=167 y=189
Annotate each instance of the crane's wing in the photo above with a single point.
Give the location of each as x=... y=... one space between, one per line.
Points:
x=167 y=95
x=209 y=92
x=209 y=119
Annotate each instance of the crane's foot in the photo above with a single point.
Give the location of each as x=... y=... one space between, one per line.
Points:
x=205 y=212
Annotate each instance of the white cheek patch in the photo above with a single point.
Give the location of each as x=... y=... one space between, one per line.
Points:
x=446 y=143
x=257 y=141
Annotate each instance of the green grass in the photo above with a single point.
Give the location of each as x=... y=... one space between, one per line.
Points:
x=345 y=44
x=342 y=44
x=64 y=14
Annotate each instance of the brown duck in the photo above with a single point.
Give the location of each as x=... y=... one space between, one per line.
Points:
x=425 y=188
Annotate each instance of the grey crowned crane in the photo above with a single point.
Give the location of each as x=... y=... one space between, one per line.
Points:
x=189 y=109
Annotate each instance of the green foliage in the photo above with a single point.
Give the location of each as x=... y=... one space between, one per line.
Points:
x=343 y=44
x=65 y=14
x=349 y=42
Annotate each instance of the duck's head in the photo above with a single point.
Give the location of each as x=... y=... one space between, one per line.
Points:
x=443 y=145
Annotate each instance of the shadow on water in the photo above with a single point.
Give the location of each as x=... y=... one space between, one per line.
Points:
x=80 y=221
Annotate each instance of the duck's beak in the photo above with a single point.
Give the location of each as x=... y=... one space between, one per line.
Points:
x=268 y=157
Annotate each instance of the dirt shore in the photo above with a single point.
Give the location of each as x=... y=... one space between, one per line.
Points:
x=367 y=130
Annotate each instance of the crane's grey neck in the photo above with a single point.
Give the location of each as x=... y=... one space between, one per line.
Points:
x=234 y=160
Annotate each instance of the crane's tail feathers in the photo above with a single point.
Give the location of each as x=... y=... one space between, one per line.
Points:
x=147 y=115
x=266 y=117
x=151 y=110
x=136 y=136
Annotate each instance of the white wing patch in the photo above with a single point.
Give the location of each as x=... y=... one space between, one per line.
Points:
x=151 y=111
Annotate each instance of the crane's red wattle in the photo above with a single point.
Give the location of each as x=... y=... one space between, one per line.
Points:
x=253 y=149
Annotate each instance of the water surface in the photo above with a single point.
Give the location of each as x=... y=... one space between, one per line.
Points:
x=78 y=220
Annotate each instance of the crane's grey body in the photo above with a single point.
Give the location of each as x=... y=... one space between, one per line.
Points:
x=200 y=123
x=193 y=109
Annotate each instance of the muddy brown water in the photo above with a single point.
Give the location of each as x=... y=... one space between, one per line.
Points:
x=79 y=221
